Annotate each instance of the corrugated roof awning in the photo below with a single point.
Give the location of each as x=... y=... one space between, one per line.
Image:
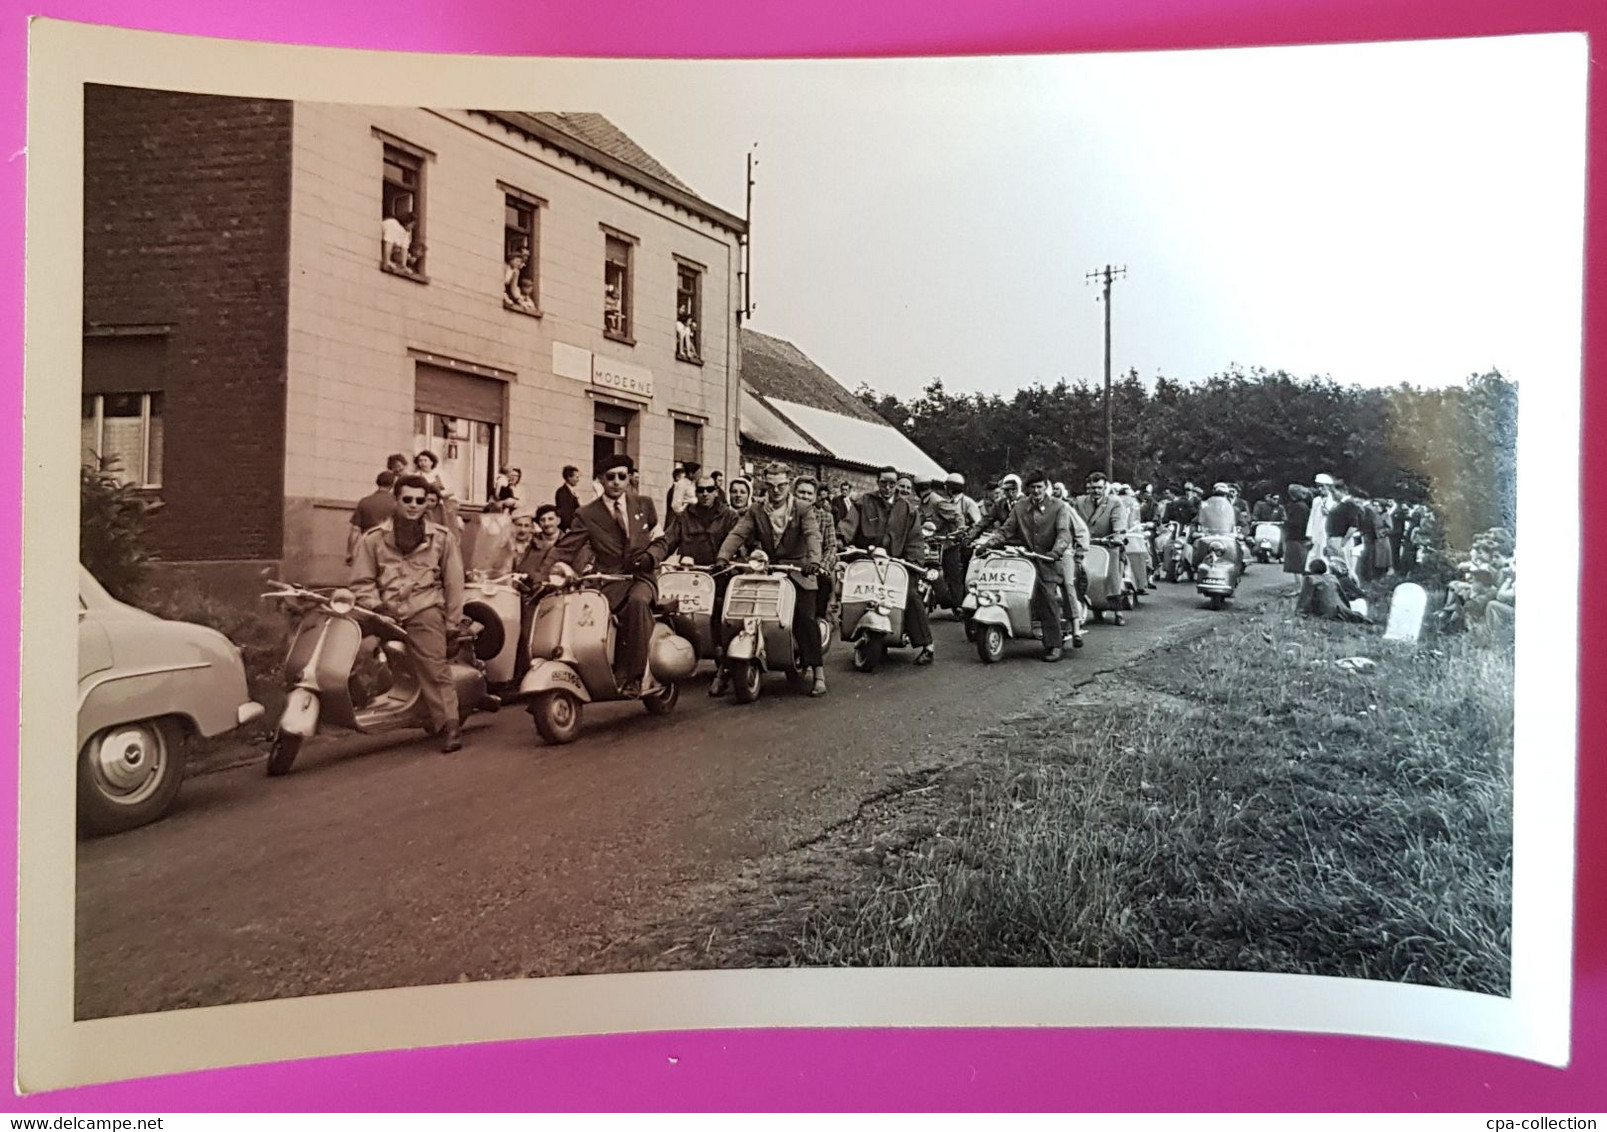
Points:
x=761 y=425
x=868 y=444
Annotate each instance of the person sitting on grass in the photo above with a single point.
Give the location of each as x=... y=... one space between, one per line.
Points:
x=1328 y=595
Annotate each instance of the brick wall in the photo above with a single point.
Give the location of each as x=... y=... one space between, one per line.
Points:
x=186 y=222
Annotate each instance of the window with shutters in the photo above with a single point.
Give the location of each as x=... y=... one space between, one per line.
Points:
x=688 y=442
x=459 y=418
x=121 y=427
x=122 y=434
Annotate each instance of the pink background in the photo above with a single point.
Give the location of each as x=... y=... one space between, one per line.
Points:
x=1088 y=1069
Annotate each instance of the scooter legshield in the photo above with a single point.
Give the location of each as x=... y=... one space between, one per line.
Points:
x=552 y=675
x=300 y=716
x=748 y=644
x=994 y=615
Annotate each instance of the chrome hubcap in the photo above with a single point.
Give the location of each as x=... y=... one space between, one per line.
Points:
x=128 y=763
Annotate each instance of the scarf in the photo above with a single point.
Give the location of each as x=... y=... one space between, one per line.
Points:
x=409 y=536
x=779 y=517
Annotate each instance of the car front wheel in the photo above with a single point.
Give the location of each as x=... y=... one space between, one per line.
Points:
x=128 y=775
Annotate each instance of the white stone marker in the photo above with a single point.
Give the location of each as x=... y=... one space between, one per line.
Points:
x=1406 y=613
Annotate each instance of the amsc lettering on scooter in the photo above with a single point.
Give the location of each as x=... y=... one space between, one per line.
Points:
x=872 y=592
x=995 y=578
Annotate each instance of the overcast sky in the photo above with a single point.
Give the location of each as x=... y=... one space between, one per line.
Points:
x=1377 y=213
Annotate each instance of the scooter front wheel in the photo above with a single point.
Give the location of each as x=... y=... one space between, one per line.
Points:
x=990 y=644
x=282 y=753
x=1218 y=601
x=869 y=652
x=557 y=716
x=746 y=681
x=662 y=702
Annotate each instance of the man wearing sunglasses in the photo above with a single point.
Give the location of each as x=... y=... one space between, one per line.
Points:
x=411 y=569
x=885 y=518
x=614 y=533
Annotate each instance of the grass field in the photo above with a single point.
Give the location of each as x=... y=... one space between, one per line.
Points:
x=1239 y=802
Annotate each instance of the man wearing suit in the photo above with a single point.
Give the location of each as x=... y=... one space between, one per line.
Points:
x=787 y=533
x=565 y=498
x=614 y=533
x=888 y=520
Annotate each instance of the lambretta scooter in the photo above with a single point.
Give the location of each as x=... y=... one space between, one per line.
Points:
x=1172 y=557
x=1268 y=541
x=350 y=667
x=1138 y=559
x=1218 y=572
x=998 y=599
x=572 y=640
x=937 y=591
x=760 y=601
x=874 y=587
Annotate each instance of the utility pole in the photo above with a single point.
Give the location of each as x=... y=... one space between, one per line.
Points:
x=745 y=273
x=1107 y=275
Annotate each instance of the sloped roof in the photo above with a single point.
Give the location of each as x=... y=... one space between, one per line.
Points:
x=870 y=444
x=763 y=425
x=776 y=368
x=595 y=140
x=599 y=133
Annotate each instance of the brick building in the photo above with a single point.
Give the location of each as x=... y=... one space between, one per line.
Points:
x=277 y=295
x=796 y=412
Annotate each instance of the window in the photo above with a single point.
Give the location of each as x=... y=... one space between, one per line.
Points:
x=617 y=288
x=688 y=442
x=519 y=249
x=123 y=433
x=458 y=416
x=402 y=212
x=688 y=313
x=610 y=432
x=467 y=451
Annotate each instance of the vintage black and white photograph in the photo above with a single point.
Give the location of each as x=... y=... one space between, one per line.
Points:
x=1046 y=513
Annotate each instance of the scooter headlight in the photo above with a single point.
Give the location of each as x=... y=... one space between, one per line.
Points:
x=342 y=602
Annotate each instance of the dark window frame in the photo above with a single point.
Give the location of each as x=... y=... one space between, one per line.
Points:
x=620 y=328
x=515 y=199
x=405 y=156
x=689 y=268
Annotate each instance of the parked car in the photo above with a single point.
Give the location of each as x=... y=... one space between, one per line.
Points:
x=145 y=686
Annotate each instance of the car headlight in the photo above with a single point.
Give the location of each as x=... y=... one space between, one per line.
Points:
x=342 y=602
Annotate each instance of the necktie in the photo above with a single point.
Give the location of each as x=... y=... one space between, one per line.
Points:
x=619 y=516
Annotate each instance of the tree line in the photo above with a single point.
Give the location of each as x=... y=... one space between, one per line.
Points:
x=1453 y=447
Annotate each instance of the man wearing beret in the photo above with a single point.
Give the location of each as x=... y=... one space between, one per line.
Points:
x=614 y=533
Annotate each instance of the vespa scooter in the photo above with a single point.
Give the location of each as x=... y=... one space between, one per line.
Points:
x=760 y=601
x=572 y=656
x=998 y=599
x=353 y=668
x=874 y=587
x=1111 y=587
x=686 y=591
x=494 y=603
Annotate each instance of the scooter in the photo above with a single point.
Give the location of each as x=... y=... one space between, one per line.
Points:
x=686 y=591
x=874 y=588
x=998 y=599
x=353 y=668
x=759 y=605
x=1217 y=575
x=1172 y=556
x=572 y=642
x=1138 y=559
x=1268 y=541
x=494 y=604
x=1111 y=587
x=937 y=592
